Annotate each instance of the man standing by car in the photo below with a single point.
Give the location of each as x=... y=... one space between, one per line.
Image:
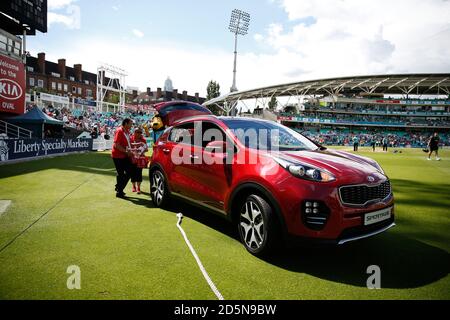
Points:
x=433 y=146
x=121 y=156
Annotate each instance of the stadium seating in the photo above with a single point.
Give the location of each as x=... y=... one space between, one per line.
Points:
x=396 y=139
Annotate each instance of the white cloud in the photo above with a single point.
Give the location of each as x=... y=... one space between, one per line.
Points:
x=58 y=18
x=58 y=4
x=138 y=33
x=191 y=68
x=258 y=37
x=115 y=8
x=361 y=37
x=71 y=17
x=70 y=20
x=148 y=63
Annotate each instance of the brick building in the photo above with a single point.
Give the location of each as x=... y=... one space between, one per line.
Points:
x=150 y=97
x=59 y=79
x=72 y=82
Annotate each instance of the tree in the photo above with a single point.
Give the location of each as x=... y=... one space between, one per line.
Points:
x=273 y=104
x=113 y=98
x=213 y=91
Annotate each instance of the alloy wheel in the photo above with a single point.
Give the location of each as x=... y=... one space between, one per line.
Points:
x=252 y=225
x=157 y=187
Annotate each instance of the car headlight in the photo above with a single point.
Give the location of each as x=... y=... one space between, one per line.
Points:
x=304 y=171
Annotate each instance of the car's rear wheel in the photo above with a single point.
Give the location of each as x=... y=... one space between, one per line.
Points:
x=158 y=188
x=257 y=228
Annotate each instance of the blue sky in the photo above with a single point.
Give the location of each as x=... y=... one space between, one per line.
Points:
x=288 y=40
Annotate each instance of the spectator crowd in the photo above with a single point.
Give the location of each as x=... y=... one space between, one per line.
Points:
x=105 y=124
x=96 y=123
x=394 y=139
x=363 y=119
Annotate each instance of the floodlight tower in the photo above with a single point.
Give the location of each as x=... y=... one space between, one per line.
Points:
x=239 y=23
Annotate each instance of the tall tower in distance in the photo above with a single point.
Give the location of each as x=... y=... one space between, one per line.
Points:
x=168 y=85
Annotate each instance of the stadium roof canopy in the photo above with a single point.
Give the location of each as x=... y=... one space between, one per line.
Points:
x=403 y=84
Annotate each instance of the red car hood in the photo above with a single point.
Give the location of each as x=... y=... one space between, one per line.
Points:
x=344 y=166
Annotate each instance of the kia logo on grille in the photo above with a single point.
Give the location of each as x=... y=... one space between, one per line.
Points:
x=10 y=89
x=370 y=179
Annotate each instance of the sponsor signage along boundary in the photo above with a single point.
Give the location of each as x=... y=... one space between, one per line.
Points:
x=12 y=85
x=52 y=98
x=16 y=149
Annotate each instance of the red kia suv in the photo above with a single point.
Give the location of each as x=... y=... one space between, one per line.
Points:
x=273 y=183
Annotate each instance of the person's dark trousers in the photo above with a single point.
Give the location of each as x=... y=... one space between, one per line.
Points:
x=137 y=174
x=355 y=147
x=385 y=147
x=124 y=172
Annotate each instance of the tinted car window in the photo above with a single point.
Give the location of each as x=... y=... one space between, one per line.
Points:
x=265 y=135
x=210 y=132
x=182 y=134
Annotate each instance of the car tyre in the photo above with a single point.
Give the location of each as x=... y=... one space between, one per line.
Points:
x=159 y=191
x=257 y=226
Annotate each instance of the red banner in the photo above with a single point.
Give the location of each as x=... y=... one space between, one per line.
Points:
x=12 y=85
x=284 y=118
x=389 y=101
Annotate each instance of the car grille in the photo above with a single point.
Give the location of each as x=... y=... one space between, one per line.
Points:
x=362 y=195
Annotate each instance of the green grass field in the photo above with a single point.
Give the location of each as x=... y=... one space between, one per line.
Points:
x=64 y=213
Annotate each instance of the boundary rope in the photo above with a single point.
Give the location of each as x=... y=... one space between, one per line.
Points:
x=202 y=268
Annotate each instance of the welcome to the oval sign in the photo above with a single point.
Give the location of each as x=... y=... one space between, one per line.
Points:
x=12 y=85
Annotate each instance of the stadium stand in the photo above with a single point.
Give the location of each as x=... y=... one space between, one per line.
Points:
x=96 y=123
x=400 y=139
x=405 y=108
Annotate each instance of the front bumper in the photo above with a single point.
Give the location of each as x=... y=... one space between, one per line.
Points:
x=292 y=195
x=347 y=235
x=363 y=234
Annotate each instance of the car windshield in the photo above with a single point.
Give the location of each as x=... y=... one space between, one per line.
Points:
x=264 y=135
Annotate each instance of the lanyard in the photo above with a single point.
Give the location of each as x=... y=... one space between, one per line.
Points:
x=128 y=138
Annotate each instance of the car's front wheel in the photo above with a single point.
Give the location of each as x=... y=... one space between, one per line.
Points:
x=257 y=228
x=158 y=188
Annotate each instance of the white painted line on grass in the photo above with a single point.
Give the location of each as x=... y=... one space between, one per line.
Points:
x=45 y=213
x=4 y=204
x=202 y=269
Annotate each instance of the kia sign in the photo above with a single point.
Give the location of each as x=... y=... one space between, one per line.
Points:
x=12 y=85
x=10 y=89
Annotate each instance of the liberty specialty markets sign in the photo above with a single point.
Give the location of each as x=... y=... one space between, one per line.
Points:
x=15 y=149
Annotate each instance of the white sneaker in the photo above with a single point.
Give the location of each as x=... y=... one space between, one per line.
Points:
x=428 y=159
x=438 y=159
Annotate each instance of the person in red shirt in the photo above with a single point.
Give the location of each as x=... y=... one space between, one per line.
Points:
x=121 y=154
x=139 y=144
